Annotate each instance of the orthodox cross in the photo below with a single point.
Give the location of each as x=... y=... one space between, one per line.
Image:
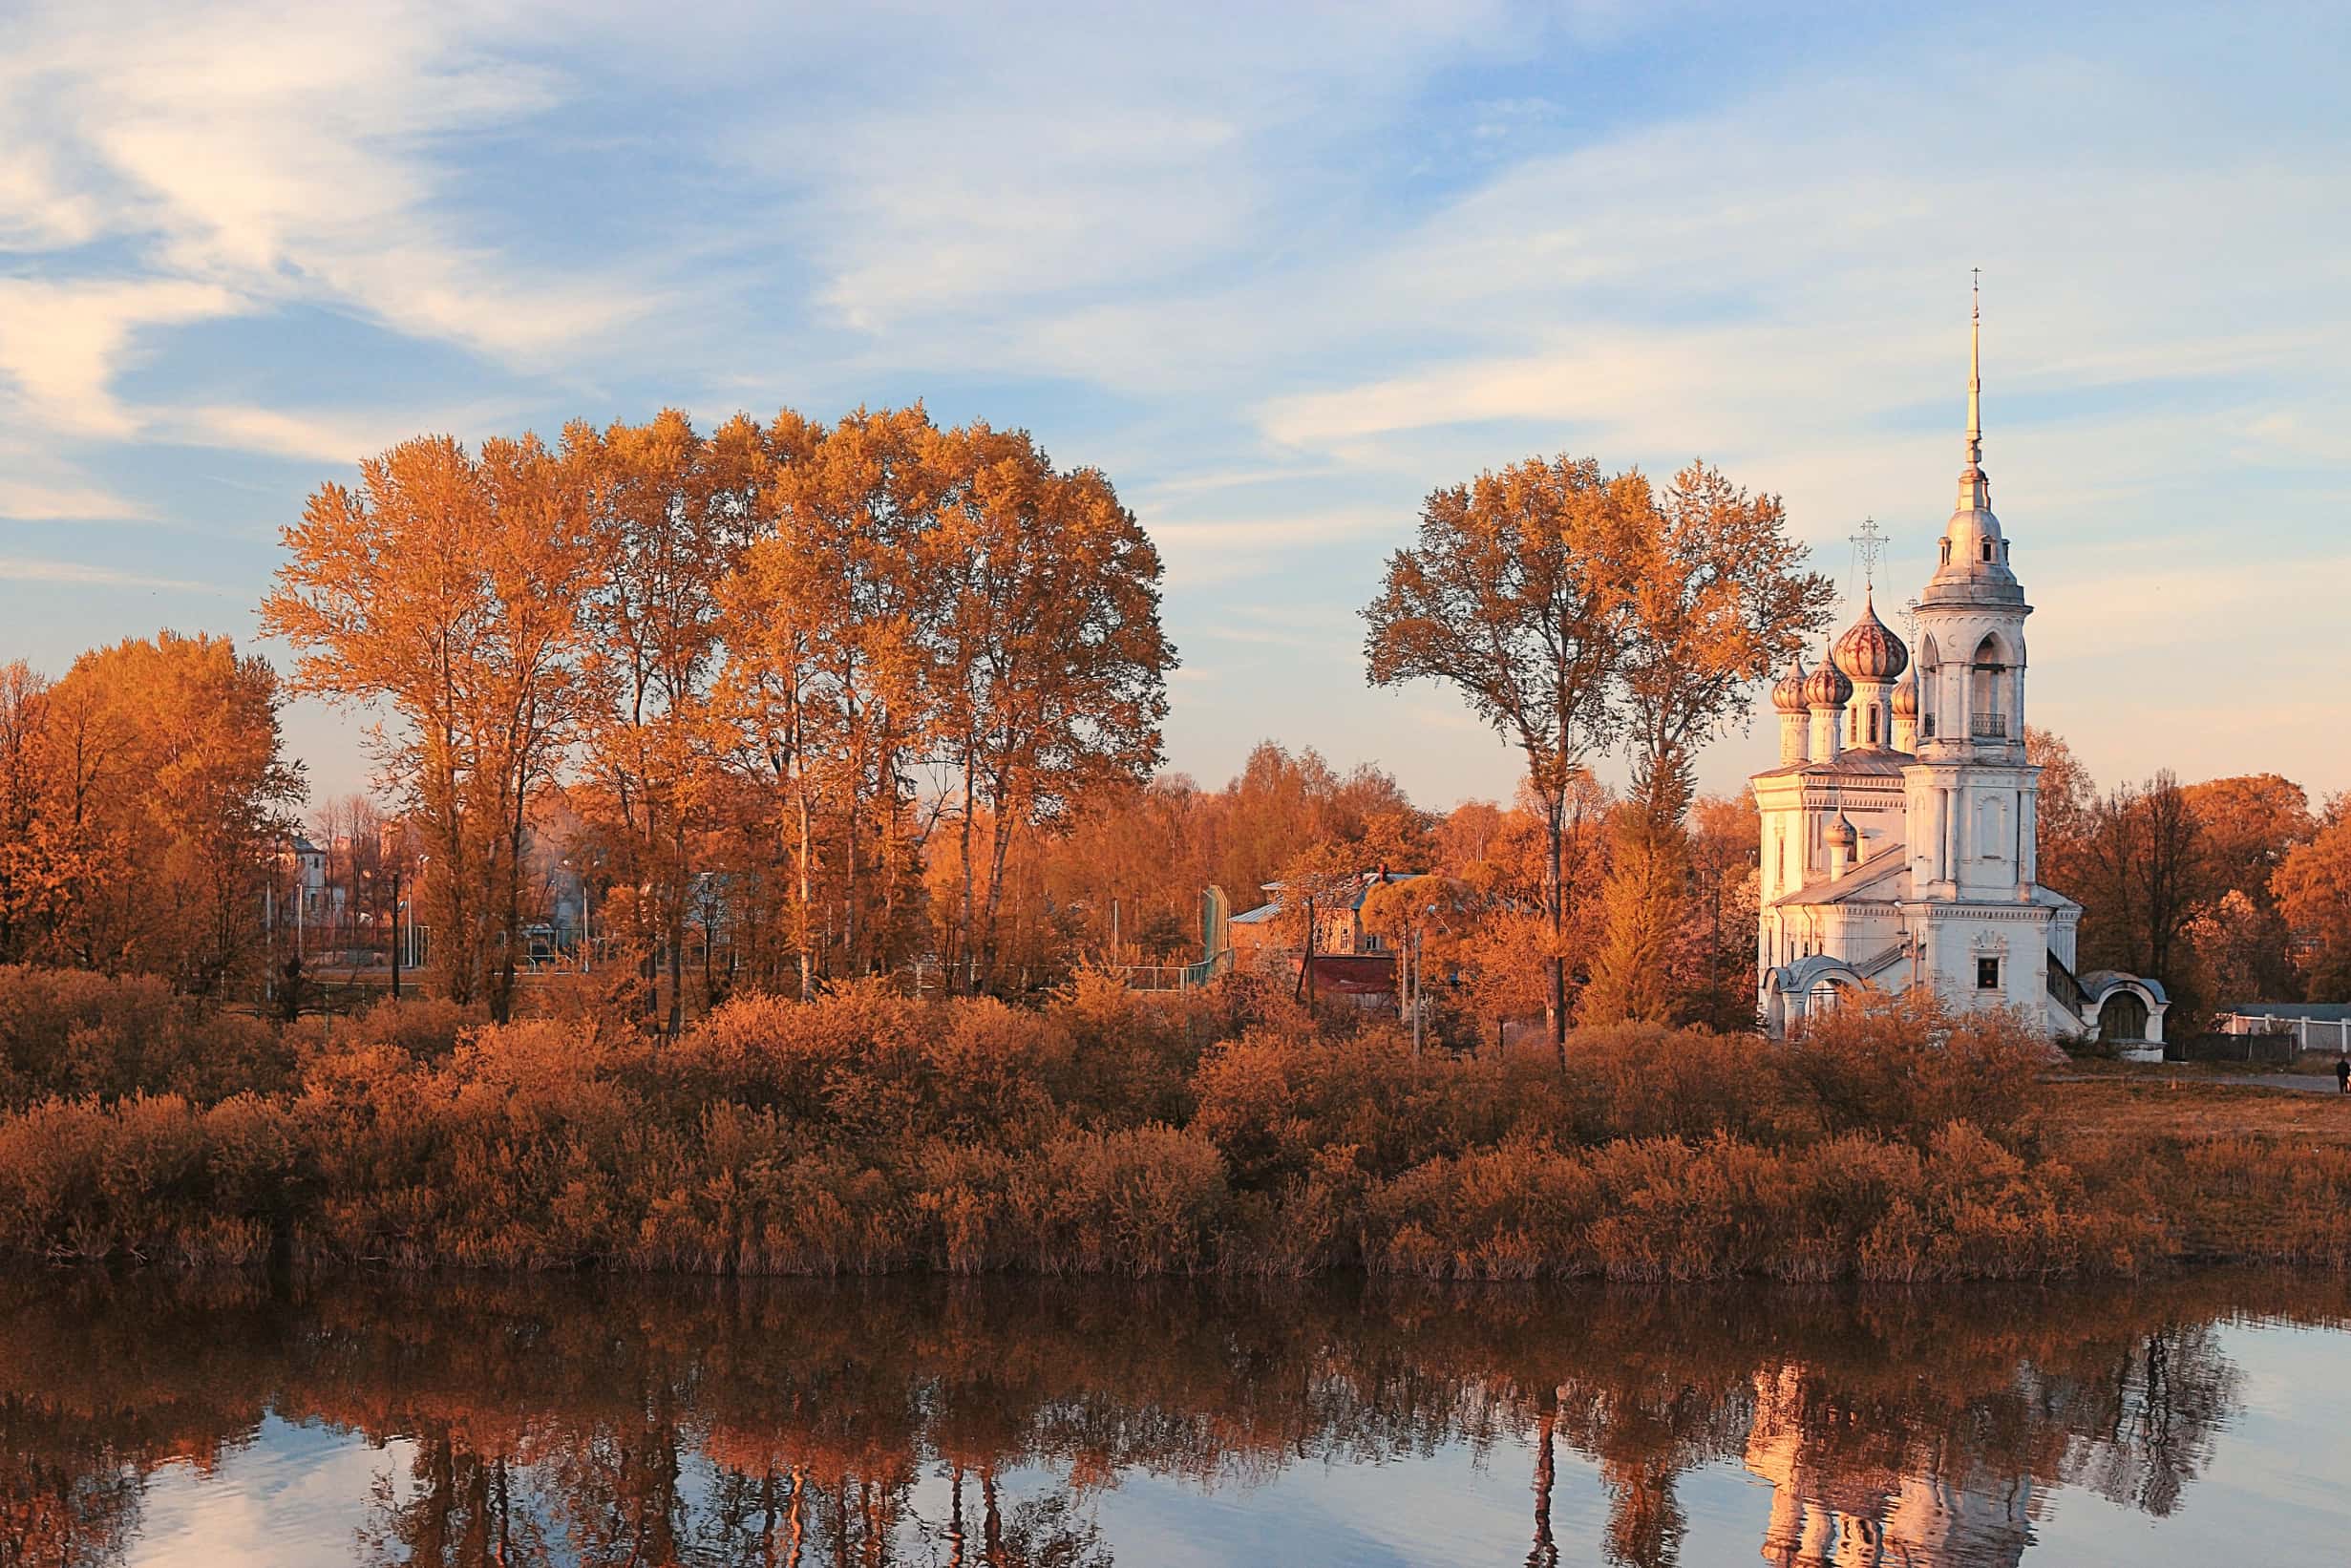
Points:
x=1909 y=623
x=1868 y=545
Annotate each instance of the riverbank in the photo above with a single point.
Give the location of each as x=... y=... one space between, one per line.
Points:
x=1228 y=1134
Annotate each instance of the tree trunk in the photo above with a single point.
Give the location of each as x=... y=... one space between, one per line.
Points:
x=1555 y=896
x=970 y=795
x=681 y=879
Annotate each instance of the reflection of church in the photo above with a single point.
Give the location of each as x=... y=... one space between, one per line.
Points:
x=1897 y=829
x=1897 y=1512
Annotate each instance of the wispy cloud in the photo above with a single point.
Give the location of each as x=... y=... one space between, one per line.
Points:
x=1283 y=271
x=81 y=574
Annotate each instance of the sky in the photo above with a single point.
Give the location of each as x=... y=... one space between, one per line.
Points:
x=1279 y=271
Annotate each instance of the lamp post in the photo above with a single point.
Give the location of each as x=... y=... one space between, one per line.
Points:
x=587 y=938
x=395 y=935
x=422 y=860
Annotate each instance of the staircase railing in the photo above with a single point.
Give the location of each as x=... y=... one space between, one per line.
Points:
x=1879 y=962
x=2068 y=990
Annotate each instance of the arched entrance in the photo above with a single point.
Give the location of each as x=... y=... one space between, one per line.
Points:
x=2122 y=1017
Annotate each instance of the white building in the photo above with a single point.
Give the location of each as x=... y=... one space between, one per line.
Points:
x=1897 y=829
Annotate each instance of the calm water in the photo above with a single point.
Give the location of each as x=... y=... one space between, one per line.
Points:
x=1027 y=1422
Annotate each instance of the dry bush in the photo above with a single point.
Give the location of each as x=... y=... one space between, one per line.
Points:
x=68 y=1032
x=870 y=1132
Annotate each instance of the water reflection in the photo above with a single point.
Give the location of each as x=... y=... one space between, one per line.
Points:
x=608 y=1423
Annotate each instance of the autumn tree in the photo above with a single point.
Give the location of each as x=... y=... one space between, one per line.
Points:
x=2313 y=889
x=1047 y=662
x=2142 y=879
x=1498 y=857
x=2249 y=825
x=2060 y=811
x=1719 y=987
x=1716 y=598
x=823 y=672
x=159 y=792
x=446 y=587
x=669 y=514
x=1514 y=596
x=36 y=870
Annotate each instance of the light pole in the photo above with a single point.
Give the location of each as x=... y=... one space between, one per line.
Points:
x=395 y=935
x=587 y=937
x=422 y=860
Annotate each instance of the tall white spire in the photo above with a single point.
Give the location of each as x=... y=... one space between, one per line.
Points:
x=1975 y=370
x=1975 y=490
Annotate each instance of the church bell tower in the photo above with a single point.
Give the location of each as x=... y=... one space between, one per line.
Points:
x=1971 y=795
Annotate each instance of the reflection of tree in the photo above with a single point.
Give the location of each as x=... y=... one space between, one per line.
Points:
x=457 y=1511
x=787 y=1425
x=63 y=1506
x=1545 y=1553
x=2154 y=1418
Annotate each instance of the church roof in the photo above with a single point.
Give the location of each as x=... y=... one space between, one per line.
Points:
x=1870 y=650
x=1866 y=880
x=1875 y=760
x=1788 y=695
x=1827 y=686
x=2099 y=981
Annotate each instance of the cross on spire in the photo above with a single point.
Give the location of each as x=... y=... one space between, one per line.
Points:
x=1868 y=545
x=1974 y=366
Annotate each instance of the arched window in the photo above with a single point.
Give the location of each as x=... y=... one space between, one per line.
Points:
x=1984 y=693
x=1872 y=724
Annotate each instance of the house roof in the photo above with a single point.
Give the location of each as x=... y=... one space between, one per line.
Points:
x=1355 y=974
x=1364 y=883
x=2318 y=1012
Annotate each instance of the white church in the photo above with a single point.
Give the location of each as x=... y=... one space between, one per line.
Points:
x=1897 y=829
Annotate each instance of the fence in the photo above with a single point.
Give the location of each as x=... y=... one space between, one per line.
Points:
x=2308 y=1033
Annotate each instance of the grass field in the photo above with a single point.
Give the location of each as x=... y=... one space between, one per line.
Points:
x=2238 y=1171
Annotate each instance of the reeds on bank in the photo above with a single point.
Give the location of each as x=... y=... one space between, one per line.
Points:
x=869 y=1133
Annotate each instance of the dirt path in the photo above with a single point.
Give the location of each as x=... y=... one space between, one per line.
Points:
x=2307 y=1083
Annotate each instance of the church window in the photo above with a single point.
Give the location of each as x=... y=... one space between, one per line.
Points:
x=1987 y=549
x=1872 y=725
x=1946 y=552
x=1987 y=974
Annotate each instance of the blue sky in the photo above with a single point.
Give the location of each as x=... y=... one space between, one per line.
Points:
x=1278 y=270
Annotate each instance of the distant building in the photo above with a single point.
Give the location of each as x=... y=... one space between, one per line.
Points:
x=1347 y=962
x=1338 y=923
x=1897 y=829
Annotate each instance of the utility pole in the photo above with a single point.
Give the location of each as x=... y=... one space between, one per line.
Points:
x=1417 y=981
x=395 y=933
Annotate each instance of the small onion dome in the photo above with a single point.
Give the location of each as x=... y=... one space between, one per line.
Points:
x=1842 y=834
x=1827 y=686
x=1869 y=652
x=1906 y=698
x=1788 y=695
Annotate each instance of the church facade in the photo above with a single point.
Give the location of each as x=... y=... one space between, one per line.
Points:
x=1899 y=826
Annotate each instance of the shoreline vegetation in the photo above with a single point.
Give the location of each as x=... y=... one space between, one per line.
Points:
x=1229 y=1132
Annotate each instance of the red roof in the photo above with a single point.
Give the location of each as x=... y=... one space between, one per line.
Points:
x=1355 y=974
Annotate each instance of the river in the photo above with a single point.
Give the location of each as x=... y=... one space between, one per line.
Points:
x=164 y=1420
